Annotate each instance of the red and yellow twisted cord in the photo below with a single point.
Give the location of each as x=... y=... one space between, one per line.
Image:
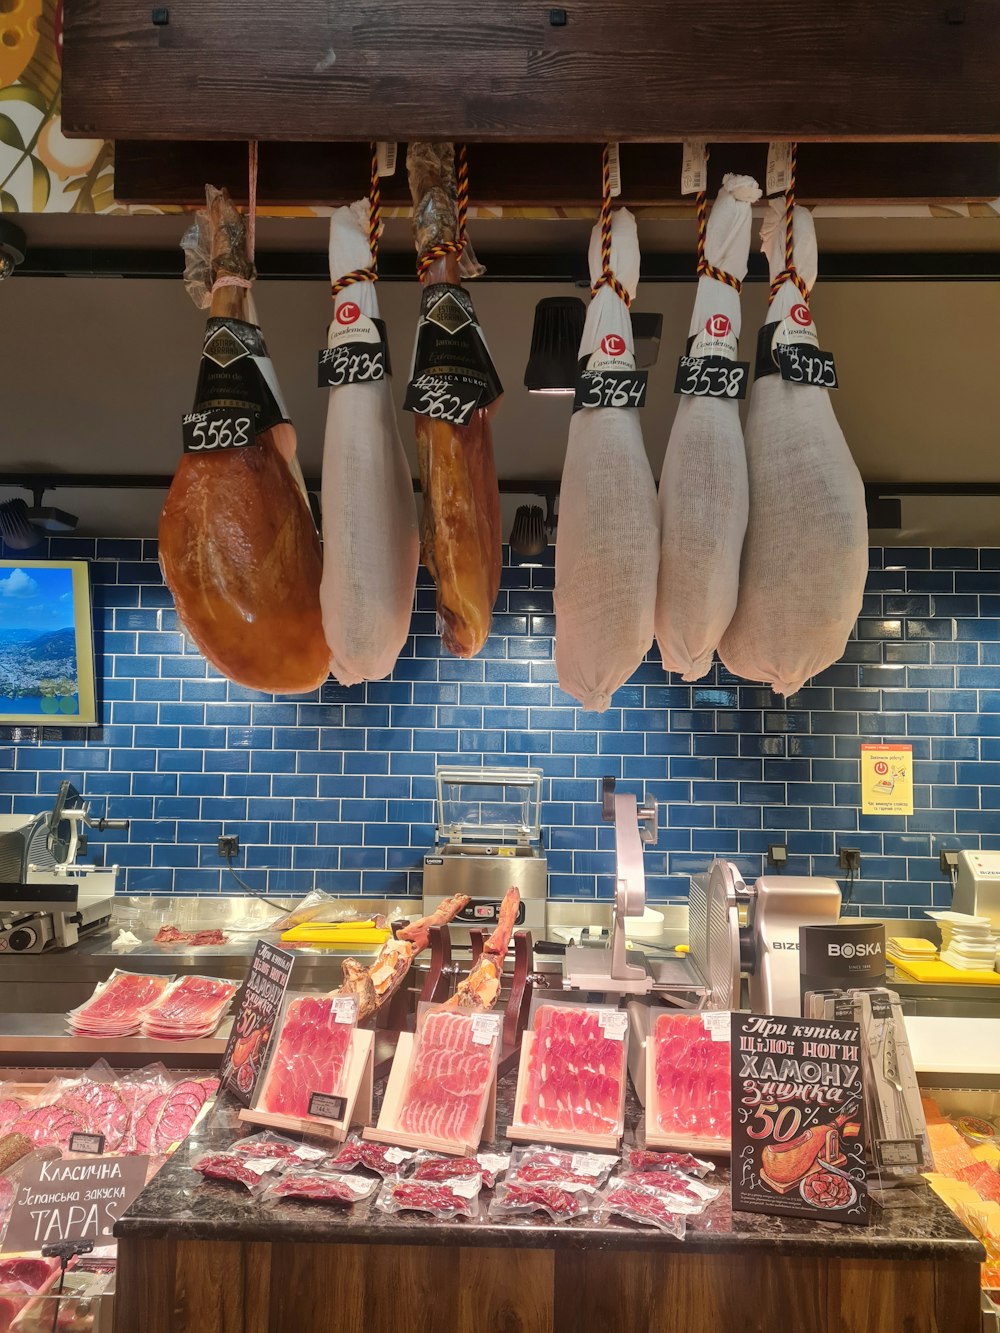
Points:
x=607 y=277
x=369 y=274
x=704 y=268
x=790 y=273
x=435 y=252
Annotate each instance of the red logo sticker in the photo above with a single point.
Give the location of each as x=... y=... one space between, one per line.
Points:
x=613 y=344
x=800 y=313
x=881 y=766
x=348 y=313
x=717 y=326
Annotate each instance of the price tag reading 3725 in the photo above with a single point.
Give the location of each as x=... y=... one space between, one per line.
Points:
x=440 y=399
x=801 y=364
x=217 y=430
x=610 y=388
x=711 y=377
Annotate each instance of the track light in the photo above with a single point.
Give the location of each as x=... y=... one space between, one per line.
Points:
x=528 y=536
x=12 y=248
x=555 y=344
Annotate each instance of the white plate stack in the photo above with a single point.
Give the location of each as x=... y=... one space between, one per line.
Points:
x=967 y=942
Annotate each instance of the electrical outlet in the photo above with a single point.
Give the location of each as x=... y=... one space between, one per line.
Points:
x=777 y=855
x=229 y=845
x=850 y=859
x=948 y=861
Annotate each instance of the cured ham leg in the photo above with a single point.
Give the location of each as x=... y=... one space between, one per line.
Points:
x=481 y=988
x=370 y=544
x=238 y=546
x=376 y=984
x=460 y=530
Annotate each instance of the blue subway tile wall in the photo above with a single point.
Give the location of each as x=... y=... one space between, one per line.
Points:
x=336 y=789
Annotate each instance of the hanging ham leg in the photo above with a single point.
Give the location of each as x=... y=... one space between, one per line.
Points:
x=238 y=546
x=460 y=530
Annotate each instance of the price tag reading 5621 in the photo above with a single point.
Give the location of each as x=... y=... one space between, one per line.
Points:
x=351 y=363
x=801 y=364
x=442 y=399
x=711 y=377
x=610 y=388
x=218 y=429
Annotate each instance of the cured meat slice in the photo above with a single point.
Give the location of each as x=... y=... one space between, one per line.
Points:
x=449 y=1079
x=50 y=1124
x=196 y=938
x=371 y=547
x=460 y=528
x=102 y=1110
x=176 y=1115
x=117 y=1005
x=443 y=1201
x=238 y=546
x=608 y=547
x=32 y=1273
x=191 y=1007
x=308 y=1182
x=434 y=1168
x=311 y=1055
x=805 y=558
x=703 y=486
x=11 y=1110
x=234 y=1167
x=642 y=1205
x=576 y=1072
x=693 y=1079
x=645 y=1159
x=560 y=1203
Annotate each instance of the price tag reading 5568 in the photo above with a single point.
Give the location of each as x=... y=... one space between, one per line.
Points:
x=610 y=388
x=217 y=430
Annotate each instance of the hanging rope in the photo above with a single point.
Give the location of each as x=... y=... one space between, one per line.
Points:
x=455 y=247
x=790 y=273
x=607 y=278
x=369 y=274
x=231 y=279
x=704 y=268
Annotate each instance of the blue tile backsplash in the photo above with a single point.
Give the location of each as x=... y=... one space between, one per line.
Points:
x=335 y=789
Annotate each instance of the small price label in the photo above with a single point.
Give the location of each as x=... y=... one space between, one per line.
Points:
x=800 y=364
x=345 y=1008
x=694 y=167
x=711 y=377
x=610 y=388
x=899 y=1152
x=779 y=167
x=351 y=363
x=717 y=1024
x=443 y=399
x=218 y=429
x=325 y=1107
x=397 y=1155
x=614 y=1023
x=87 y=1143
x=485 y=1029
x=590 y=1163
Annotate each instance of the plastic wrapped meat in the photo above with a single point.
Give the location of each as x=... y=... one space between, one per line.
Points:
x=449 y=1079
x=514 y=1198
x=238 y=546
x=117 y=1005
x=234 y=1167
x=693 y=1079
x=805 y=558
x=703 y=485
x=576 y=1074
x=311 y=1055
x=457 y=1199
x=318 y=1186
x=608 y=546
x=371 y=547
x=191 y=1007
x=625 y=1199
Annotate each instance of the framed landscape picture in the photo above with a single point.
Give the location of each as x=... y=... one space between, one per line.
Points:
x=46 y=644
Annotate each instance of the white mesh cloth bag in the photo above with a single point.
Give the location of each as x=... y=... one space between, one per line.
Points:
x=703 y=485
x=805 y=557
x=608 y=538
x=371 y=547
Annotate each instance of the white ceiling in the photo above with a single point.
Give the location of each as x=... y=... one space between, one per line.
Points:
x=96 y=373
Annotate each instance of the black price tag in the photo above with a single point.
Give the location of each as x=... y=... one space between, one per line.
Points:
x=351 y=363
x=326 y=1107
x=87 y=1143
x=453 y=398
x=712 y=377
x=610 y=388
x=802 y=364
x=218 y=430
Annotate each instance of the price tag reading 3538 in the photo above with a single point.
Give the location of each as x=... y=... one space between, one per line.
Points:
x=610 y=388
x=711 y=377
x=218 y=429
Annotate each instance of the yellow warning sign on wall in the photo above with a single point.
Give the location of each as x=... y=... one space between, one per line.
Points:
x=887 y=779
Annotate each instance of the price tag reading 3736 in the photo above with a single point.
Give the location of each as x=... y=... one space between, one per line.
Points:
x=218 y=429
x=350 y=363
x=610 y=388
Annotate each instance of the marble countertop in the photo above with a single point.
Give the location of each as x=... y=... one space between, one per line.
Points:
x=179 y=1203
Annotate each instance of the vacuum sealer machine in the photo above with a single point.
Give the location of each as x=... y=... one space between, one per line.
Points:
x=47 y=900
x=487 y=839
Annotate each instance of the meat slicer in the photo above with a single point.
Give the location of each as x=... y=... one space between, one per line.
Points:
x=47 y=900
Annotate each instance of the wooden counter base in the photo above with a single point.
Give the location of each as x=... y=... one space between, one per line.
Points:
x=200 y=1286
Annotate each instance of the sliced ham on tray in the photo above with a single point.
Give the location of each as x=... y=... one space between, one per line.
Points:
x=311 y=1056
x=449 y=1080
x=576 y=1072
x=190 y=1007
x=116 y=1007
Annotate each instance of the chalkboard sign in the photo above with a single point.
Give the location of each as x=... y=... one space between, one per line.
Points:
x=257 y=1011
x=72 y=1200
x=798 y=1140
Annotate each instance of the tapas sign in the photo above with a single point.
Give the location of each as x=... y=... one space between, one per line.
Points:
x=798 y=1119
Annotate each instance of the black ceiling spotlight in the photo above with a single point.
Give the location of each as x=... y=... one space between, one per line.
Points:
x=13 y=247
x=555 y=344
x=647 y=329
x=22 y=528
x=528 y=536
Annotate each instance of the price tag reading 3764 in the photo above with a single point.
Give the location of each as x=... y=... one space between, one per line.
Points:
x=217 y=430
x=610 y=388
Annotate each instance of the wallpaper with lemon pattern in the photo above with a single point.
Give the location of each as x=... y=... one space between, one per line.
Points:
x=41 y=171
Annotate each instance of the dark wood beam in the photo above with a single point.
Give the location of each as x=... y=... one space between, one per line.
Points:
x=155 y=172
x=631 y=70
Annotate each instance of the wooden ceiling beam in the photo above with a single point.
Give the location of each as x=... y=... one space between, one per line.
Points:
x=629 y=70
x=562 y=175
